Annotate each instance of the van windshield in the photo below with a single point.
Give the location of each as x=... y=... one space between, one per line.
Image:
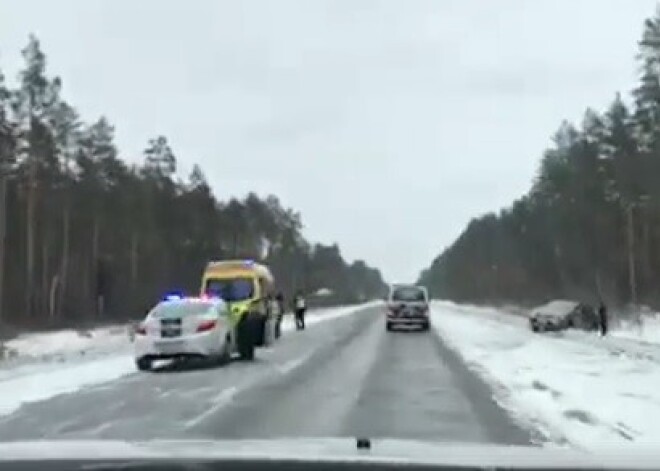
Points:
x=408 y=294
x=230 y=289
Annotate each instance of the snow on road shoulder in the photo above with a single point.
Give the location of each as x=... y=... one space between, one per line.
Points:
x=50 y=382
x=37 y=382
x=575 y=387
x=67 y=342
x=647 y=330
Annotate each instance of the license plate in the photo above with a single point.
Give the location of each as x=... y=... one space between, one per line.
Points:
x=169 y=332
x=169 y=347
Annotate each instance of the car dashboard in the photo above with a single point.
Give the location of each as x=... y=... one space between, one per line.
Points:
x=260 y=464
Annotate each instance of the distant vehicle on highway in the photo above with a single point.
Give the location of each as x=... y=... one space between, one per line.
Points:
x=183 y=328
x=561 y=315
x=246 y=287
x=407 y=305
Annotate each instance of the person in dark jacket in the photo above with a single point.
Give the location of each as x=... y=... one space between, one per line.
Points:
x=602 y=317
x=299 y=308
x=279 y=303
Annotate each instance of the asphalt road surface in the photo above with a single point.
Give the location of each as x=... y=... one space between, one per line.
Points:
x=339 y=378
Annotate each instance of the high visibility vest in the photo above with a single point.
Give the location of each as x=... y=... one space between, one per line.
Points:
x=275 y=308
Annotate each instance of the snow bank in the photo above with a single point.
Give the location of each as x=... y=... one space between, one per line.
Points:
x=646 y=330
x=67 y=342
x=576 y=387
x=40 y=381
x=46 y=383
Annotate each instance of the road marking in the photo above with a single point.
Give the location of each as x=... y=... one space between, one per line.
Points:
x=291 y=365
x=226 y=396
x=218 y=402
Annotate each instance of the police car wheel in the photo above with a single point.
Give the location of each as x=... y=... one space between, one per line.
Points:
x=224 y=357
x=143 y=364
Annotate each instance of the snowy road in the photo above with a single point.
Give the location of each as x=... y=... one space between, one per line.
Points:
x=342 y=377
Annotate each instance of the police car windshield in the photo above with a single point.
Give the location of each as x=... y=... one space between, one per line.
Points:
x=408 y=293
x=232 y=289
x=181 y=309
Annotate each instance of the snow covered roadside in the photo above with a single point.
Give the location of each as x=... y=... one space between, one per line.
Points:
x=67 y=345
x=37 y=382
x=64 y=344
x=647 y=330
x=575 y=387
x=42 y=383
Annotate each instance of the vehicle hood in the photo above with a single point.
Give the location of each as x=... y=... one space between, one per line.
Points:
x=334 y=450
x=559 y=308
x=550 y=317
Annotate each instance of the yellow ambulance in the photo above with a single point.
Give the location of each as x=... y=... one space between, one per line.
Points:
x=246 y=287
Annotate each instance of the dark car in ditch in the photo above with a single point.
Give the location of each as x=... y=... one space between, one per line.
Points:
x=562 y=315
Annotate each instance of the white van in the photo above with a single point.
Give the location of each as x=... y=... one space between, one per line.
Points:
x=407 y=305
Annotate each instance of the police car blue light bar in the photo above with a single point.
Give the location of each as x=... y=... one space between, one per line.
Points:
x=173 y=297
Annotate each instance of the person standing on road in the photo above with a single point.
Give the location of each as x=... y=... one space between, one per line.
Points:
x=279 y=313
x=602 y=317
x=299 y=308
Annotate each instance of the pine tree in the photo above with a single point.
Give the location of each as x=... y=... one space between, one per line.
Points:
x=7 y=144
x=159 y=158
x=65 y=123
x=31 y=105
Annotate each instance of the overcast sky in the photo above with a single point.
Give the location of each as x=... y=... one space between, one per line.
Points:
x=388 y=124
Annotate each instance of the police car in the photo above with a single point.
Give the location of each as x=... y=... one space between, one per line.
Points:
x=181 y=328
